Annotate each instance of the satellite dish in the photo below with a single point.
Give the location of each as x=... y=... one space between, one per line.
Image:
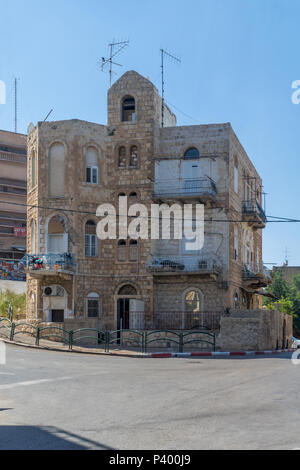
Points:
x=30 y=128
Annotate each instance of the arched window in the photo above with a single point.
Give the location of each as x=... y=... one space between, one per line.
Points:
x=93 y=305
x=127 y=290
x=92 y=165
x=236 y=300
x=32 y=229
x=122 y=157
x=132 y=198
x=57 y=170
x=57 y=237
x=192 y=153
x=122 y=248
x=133 y=157
x=133 y=250
x=91 y=245
x=193 y=301
x=128 y=109
x=33 y=170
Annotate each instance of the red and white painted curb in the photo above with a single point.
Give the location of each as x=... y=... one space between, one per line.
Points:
x=217 y=354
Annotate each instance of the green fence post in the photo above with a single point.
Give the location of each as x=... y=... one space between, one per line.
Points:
x=12 y=331
x=71 y=340
x=107 y=338
x=214 y=343
x=37 y=339
x=181 y=343
x=145 y=342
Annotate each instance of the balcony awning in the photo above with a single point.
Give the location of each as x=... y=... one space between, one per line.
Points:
x=19 y=248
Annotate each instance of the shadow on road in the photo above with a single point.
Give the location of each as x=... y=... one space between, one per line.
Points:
x=44 y=438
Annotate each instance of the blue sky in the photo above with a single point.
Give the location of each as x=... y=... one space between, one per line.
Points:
x=239 y=59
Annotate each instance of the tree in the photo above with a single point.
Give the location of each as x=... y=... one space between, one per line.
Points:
x=288 y=295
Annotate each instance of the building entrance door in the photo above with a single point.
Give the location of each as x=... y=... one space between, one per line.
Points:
x=123 y=314
x=58 y=316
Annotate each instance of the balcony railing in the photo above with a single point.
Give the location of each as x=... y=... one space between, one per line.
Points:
x=184 y=264
x=49 y=263
x=253 y=210
x=257 y=272
x=199 y=187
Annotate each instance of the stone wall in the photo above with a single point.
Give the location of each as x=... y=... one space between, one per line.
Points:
x=258 y=330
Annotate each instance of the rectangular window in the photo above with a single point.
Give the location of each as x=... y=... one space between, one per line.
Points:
x=92 y=174
x=236 y=179
x=91 y=246
x=93 y=308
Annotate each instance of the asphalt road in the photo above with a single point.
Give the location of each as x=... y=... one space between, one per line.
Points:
x=53 y=400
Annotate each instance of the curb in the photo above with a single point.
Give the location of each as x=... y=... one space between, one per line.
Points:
x=152 y=355
x=218 y=354
x=73 y=351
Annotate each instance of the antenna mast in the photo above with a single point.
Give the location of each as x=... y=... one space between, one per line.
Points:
x=176 y=59
x=16 y=105
x=115 y=49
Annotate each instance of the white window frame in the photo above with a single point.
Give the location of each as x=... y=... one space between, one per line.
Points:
x=89 y=245
x=94 y=171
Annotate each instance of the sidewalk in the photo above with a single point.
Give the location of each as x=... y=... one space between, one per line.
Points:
x=29 y=342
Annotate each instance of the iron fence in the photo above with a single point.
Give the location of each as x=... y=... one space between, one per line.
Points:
x=108 y=339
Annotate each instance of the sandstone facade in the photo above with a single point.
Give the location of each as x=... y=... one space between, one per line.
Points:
x=81 y=165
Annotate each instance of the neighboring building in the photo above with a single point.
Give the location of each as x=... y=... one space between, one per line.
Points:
x=13 y=190
x=74 y=166
x=288 y=272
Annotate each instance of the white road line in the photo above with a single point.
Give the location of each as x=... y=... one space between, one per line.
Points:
x=32 y=382
x=6 y=373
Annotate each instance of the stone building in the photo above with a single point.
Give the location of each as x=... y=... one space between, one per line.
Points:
x=288 y=272
x=13 y=188
x=134 y=283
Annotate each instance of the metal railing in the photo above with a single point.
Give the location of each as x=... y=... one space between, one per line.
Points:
x=120 y=338
x=49 y=262
x=185 y=187
x=251 y=207
x=184 y=264
x=253 y=271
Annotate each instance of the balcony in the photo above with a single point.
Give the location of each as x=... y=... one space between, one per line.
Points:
x=62 y=265
x=255 y=276
x=184 y=265
x=254 y=214
x=199 y=189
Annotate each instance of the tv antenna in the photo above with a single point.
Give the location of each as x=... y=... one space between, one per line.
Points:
x=175 y=59
x=16 y=103
x=115 y=49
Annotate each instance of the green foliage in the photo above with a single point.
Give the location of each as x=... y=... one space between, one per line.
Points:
x=289 y=295
x=285 y=306
x=18 y=302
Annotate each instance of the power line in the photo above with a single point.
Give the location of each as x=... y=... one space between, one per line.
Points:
x=76 y=211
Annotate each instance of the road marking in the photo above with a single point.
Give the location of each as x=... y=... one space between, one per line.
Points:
x=32 y=382
x=6 y=373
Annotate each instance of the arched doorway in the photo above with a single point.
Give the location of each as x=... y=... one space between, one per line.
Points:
x=130 y=309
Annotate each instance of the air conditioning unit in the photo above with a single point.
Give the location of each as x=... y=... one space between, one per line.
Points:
x=54 y=291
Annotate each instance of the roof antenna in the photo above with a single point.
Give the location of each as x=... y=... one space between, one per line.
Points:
x=115 y=49
x=176 y=59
